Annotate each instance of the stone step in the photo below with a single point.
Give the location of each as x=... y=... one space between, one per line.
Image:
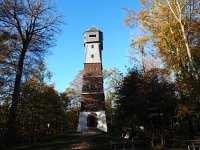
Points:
x=91 y=131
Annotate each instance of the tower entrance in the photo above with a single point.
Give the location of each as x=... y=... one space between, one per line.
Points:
x=92 y=121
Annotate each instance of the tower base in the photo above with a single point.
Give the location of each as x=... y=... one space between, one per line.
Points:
x=92 y=119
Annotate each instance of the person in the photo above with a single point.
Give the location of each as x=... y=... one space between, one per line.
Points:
x=127 y=136
x=123 y=133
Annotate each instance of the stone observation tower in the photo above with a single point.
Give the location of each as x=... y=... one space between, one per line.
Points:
x=92 y=114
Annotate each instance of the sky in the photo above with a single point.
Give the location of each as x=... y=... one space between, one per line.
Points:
x=67 y=57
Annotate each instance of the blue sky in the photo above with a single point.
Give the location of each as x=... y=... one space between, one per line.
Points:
x=67 y=57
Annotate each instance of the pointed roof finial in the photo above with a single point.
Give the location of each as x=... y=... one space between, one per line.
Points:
x=93 y=28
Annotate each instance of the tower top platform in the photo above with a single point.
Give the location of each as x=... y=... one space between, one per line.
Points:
x=93 y=35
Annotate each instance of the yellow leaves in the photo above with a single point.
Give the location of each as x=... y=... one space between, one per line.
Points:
x=127 y=20
x=156 y=27
x=182 y=111
x=143 y=2
x=2 y=55
x=144 y=39
x=131 y=17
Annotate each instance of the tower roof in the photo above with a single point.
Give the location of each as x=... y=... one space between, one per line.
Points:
x=93 y=28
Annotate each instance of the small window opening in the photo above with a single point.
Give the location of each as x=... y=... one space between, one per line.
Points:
x=92 y=35
x=92 y=46
x=92 y=56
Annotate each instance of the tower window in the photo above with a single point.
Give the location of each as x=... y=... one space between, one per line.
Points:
x=95 y=86
x=92 y=35
x=89 y=86
x=92 y=56
x=92 y=46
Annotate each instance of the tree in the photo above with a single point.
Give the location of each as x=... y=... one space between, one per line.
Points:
x=76 y=84
x=6 y=65
x=71 y=103
x=71 y=98
x=147 y=100
x=40 y=111
x=112 y=80
x=3 y=119
x=171 y=29
x=179 y=9
x=28 y=21
x=74 y=91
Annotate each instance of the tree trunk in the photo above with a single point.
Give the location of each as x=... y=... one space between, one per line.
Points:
x=11 y=136
x=191 y=128
x=178 y=17
x=187 y=48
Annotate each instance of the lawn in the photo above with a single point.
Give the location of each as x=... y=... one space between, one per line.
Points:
x=67 y=142
x=71 y=142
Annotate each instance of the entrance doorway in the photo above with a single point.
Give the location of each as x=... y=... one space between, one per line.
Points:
x=92 y=121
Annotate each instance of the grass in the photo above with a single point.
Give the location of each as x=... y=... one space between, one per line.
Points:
x=71 y=142
x=67 y=142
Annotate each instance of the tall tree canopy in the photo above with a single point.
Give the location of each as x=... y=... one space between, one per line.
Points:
x=172 y=28
x=147 y=100
x=32 y=24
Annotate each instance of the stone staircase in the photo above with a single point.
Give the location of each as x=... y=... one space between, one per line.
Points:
x=91 y=131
